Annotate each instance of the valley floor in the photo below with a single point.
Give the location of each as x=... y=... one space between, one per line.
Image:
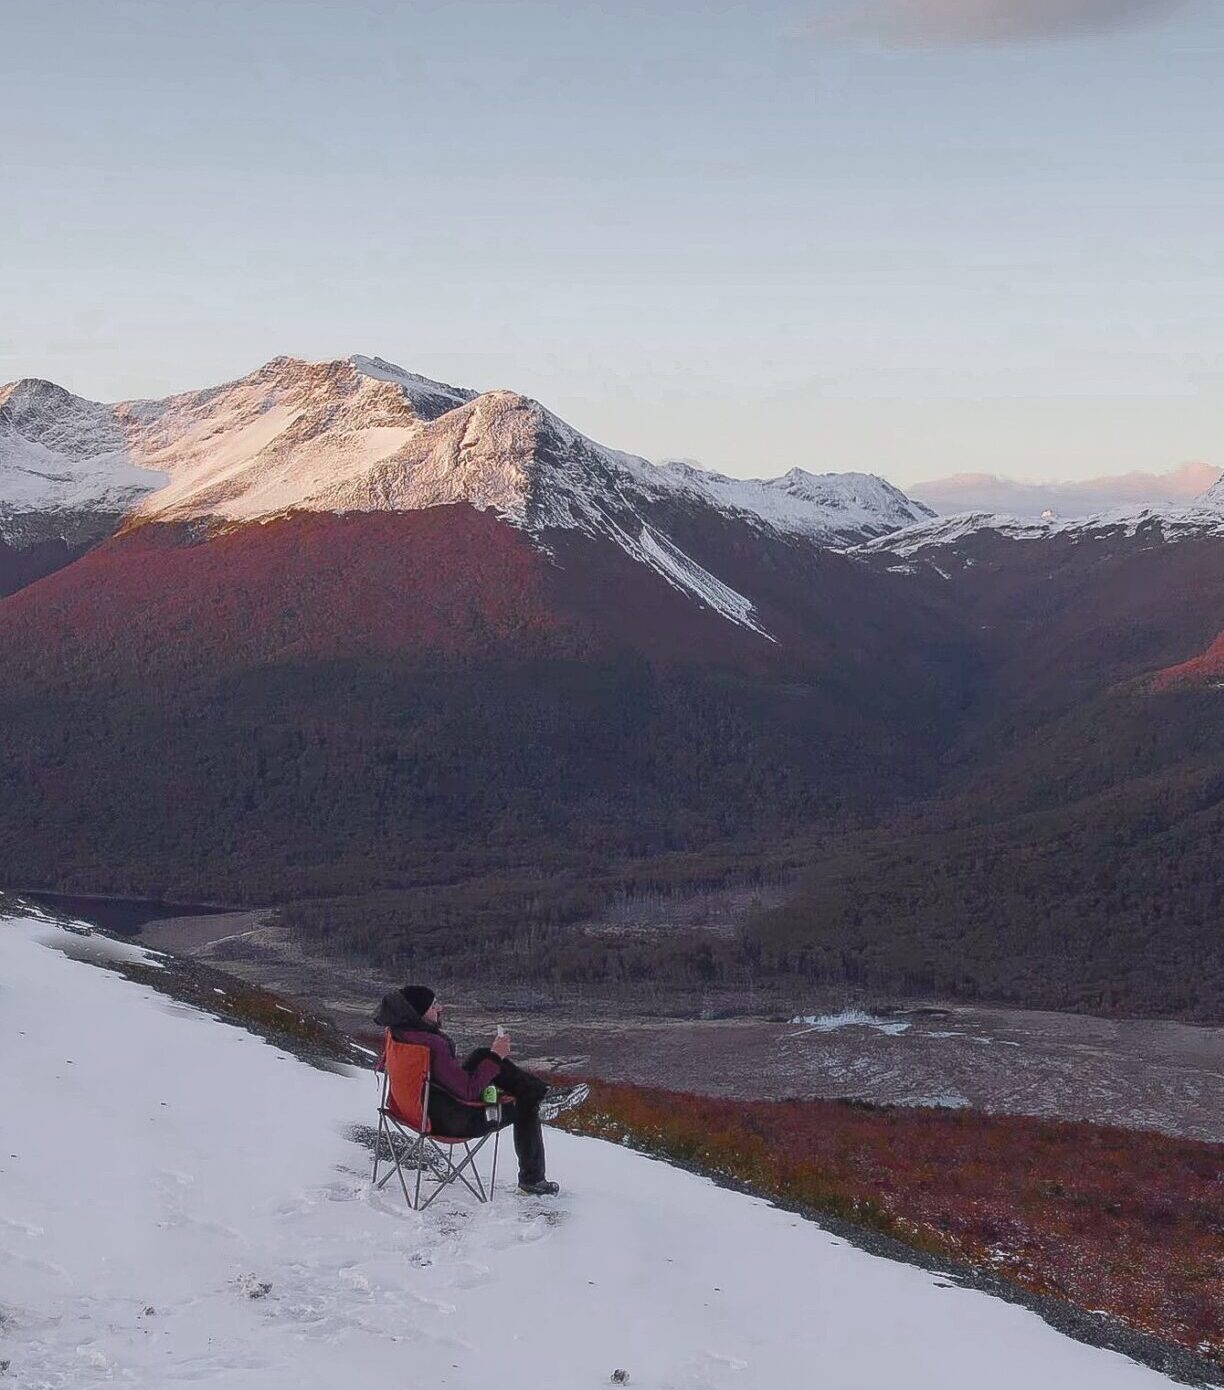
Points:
x=184 y=1203
x=1135 y=1072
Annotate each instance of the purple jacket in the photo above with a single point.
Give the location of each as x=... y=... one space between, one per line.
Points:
x=407 y=1026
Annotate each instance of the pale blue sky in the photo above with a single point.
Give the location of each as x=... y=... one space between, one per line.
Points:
x=755 y=235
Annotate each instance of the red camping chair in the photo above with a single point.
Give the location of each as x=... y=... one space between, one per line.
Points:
x=403 y=1113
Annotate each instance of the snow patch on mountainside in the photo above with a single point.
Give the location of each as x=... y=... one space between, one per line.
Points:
x=184 y=1205
x=850 y=1018
x=429 y=398
x=62 y=454
x=687 y=575
x=1162 y=523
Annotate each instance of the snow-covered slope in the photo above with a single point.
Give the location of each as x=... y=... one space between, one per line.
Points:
x=182 y=1205
x=61 y=456
x=833 y=509
x=360 y=434
x=363 y=435
x=1162 y=523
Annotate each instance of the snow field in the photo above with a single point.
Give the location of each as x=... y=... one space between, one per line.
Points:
x=159 y=1168
x=1169 y=521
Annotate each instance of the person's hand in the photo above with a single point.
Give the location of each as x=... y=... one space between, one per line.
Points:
x=501 y=1045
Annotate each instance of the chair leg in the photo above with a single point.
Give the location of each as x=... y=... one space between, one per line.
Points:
x=398 y=1158
x=441 y=1180
x=482 y=1196
x=384 y=1132
x=459 y=1171
x=377 y=1150
x=493 y=1174
x=468 y=1172
x=403 y=1185
x=443 y=1169
x=395 y=1164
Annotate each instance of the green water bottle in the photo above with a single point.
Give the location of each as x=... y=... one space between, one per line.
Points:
x=489 y=1096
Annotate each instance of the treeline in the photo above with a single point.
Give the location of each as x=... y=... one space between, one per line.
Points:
x=527 y=932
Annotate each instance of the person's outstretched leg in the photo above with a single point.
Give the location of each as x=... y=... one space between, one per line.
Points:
x=516 y=1082
x=523 y=1112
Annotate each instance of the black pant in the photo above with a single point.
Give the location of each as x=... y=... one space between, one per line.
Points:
x=459 y=1120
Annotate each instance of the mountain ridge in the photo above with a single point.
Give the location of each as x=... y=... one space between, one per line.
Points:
x=361 y=435
x=372 y=416
x=1169 y=522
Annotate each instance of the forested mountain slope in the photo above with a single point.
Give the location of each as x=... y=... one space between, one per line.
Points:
x=362 y=633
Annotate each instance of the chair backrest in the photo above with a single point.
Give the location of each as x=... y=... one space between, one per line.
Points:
x=407 y=1077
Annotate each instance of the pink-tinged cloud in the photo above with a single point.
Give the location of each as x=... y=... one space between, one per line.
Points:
x=987 y=492
x=925 y=22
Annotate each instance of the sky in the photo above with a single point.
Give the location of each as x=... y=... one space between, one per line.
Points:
x=914 y=237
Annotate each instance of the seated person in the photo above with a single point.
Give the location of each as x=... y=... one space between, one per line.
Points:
x=413 y=1015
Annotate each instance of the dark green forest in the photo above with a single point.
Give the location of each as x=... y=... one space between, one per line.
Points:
x=1081 y=871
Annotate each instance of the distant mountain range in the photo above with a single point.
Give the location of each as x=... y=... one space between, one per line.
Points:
x=450 y=678
x=987 y=492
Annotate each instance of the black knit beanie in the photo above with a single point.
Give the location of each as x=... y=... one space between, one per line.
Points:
x=419 y=996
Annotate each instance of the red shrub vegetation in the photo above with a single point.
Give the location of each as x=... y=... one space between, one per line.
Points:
x=309 y=586
x=1120 y=1221
x=1199 y=670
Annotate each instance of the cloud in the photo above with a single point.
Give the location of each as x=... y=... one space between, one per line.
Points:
x=906 y=23
x=987 y=492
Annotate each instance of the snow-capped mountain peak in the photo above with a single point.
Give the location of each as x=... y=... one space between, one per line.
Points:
x=832 y=509
x=429 y=398
x=1167 y=521
x=47 y=414
x=865 y=501
x=361 y=434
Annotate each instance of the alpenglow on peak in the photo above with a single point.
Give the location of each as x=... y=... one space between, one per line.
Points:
x=362 y=434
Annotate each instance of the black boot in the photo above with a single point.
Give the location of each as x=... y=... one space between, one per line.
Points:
x=545 y=1187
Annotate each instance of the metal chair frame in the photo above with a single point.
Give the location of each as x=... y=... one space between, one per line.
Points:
x=429 y=1151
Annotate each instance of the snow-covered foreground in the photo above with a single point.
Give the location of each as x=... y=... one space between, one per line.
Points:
x=158 y=1168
